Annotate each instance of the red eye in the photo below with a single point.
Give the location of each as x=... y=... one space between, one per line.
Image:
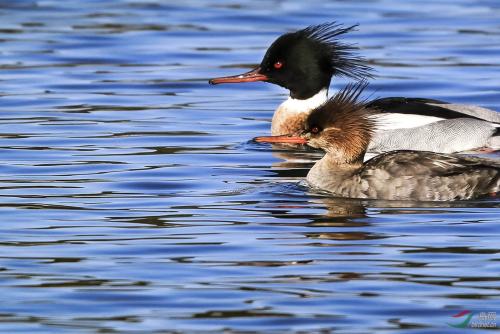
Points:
x=278 y=65
x=315 y=130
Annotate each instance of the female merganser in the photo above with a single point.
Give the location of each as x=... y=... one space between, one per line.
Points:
x=305 y=61
x=343 y=127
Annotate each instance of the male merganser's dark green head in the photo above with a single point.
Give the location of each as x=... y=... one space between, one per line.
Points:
x=305 y=61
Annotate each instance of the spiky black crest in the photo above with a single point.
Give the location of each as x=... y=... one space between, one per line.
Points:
x=343 y=60
x=305 y=61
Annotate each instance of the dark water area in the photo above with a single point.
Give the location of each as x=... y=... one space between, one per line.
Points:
x=133 y=201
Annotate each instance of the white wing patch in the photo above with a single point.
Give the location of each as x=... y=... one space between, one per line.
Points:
x=391 y=121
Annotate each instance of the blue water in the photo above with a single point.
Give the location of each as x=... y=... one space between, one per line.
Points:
x=132 y=200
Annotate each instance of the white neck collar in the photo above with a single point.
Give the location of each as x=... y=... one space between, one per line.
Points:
x=300 y=106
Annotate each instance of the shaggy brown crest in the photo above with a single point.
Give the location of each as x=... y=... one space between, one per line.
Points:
x=343 y=125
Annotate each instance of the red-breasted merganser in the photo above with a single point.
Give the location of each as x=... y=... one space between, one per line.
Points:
x=344 y=126
x=305 y=61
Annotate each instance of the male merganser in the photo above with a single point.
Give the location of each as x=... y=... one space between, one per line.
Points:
x=343 y=127
x=305 y=61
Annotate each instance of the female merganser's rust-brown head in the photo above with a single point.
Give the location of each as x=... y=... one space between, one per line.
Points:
x=305 y=61
x=343 y=127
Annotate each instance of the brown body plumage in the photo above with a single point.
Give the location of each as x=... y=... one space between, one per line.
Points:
x=343 y=127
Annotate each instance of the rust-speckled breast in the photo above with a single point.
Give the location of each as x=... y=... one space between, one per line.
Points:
x=285 y=123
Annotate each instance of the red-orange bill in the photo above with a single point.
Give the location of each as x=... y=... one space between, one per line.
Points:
x=251 y=76
x=281 y=139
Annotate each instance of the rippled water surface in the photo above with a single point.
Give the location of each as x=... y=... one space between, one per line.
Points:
x=132 y=199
